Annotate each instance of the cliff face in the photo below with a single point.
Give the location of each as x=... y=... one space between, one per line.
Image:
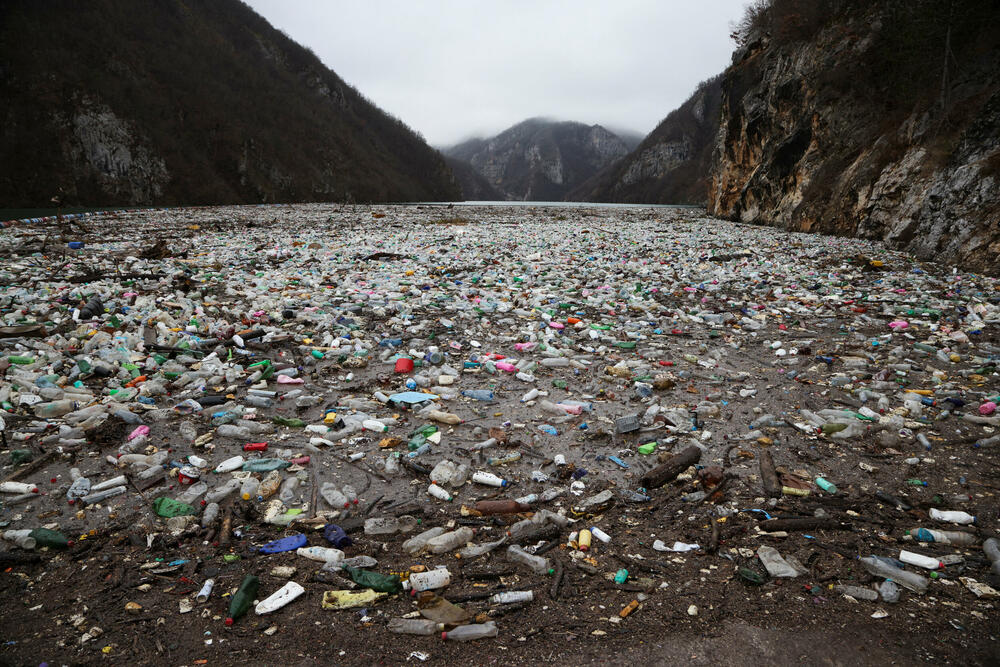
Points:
x=671 y=164
x=876 y=120
x=540 y=160
x=188 y=103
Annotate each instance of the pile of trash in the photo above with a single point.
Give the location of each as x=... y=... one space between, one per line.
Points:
x=439 y=423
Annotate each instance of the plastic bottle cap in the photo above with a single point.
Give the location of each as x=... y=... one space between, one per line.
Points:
x=229 y=621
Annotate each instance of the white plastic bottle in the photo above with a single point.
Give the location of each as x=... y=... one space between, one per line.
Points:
x=489 y=479
x=510 y=597
x=951 y=516
x=426 y=581
x=321 y=554
x=279 y=598
x=438 y=492
x=230 y=464
x=920 y=560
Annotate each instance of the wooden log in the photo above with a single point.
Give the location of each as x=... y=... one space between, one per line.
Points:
x=772 y=487
x=807 y=523
x=668 y=471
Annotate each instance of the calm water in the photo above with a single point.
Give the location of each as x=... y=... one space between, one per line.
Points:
x=552 y=204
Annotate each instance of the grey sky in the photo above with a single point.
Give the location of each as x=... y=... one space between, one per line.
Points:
x=451 y=69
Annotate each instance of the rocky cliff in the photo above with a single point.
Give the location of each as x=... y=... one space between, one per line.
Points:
x=541 y=160
x=669 y=166
x=869 y=119
x=188 y=103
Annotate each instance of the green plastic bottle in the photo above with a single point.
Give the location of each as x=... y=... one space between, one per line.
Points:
x=383 y=583
x=243 y=598
x=49 y=538
x=22 y=361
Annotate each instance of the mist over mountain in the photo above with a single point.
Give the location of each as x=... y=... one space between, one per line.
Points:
x=540 y=159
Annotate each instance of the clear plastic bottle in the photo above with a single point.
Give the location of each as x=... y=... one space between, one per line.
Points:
x=414 y=626
x=210 y=514
x=464 y=633
x=450 y=541
x=906 y=579
x=55 y=408
x=390 y=525
x=537 y=564
x=418 y=542
x=193 y=492
x=991 y=548
x=249 y=488
x=288 y=488
x=231 y=431
x=333 y=496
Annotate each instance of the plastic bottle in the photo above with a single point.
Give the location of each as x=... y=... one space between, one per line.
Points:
x=54 y=408
x=249 y=488
x=920 y=560
x=449 y=541
x=21 y=538
x=418 y=542
x=444 y=417
x=210 y=514
x=286 y=494
x=943 y=536
x=511 y=597
x=321 y=554
x=230 y=464
x=193 y=492
x=464 y=633
x=478 y=394
x=269 y=486
x=857 y=592
x=489 y=479
x=222 y=491
x=243 y=598
x=374 y=425
x=414 y=626
x=231 y=431
x=536 y=564
x=429 y=580
x=350 y=493
x=879 y=568
x=951 y=516
x=382 y=583
x=438 y=492
x=389 y=525
x=991 y=548
x=475 y=550
x=79 y=488
x=333 y=496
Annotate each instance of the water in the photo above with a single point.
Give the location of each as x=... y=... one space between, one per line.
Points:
x=552 y=204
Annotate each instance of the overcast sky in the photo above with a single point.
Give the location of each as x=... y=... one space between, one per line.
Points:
x=453 y=69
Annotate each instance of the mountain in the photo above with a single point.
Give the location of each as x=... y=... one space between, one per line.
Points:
x=669 y=166
x=539 y=159
x=473 y=185
x=870 y=119
x=106 y=103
